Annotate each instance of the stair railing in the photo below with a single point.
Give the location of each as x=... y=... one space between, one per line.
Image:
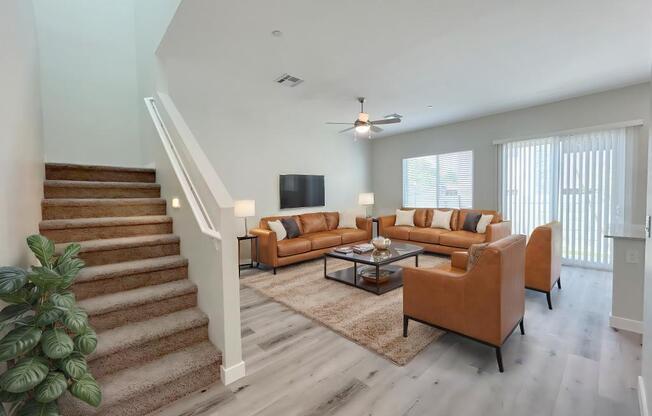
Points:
x=196 y=205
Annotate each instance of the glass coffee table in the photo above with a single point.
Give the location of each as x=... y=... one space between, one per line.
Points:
x=373 y=271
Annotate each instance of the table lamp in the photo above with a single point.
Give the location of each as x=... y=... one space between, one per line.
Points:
x=366 y=199
x=243 y=209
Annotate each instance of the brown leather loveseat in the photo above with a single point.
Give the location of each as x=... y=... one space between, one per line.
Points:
x=318 y=235
x=439 y=240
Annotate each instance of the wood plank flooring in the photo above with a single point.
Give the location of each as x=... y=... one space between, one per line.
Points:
x=569 y=363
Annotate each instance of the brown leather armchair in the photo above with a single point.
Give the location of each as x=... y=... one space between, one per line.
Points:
x=543 y=259
x=485 y=303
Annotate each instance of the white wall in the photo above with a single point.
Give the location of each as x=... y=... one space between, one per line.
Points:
x=622 y=104
x=251 y=129
x=21 y=158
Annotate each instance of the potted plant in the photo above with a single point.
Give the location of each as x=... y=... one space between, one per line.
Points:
x=46 y=336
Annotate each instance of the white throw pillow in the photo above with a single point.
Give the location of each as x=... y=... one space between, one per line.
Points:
x=277 y=227
x=442 y=219
x=347 y=220
x=482 y=224
x=404 y=217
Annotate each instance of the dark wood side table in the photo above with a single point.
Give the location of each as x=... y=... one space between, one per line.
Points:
x=376 y=221
x=251 y=264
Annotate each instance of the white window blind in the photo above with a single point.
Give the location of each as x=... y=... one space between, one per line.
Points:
x=578 y=180
x=440 y=181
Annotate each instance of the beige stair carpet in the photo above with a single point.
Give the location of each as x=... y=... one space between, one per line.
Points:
x=375 y=322
x=153 y=345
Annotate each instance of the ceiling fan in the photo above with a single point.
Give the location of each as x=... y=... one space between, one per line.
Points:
x=362 y=125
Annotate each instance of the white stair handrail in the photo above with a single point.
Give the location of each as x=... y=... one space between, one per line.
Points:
x=190 y=191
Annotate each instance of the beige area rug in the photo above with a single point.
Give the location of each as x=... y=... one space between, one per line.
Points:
x=375 y=322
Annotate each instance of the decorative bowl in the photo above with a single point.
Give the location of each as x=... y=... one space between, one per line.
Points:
x=381 y=243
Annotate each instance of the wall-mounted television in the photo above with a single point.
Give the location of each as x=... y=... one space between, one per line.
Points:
x=298 y=191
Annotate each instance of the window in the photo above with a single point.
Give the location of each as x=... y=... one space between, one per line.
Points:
x=439 y=181
x=578 y=180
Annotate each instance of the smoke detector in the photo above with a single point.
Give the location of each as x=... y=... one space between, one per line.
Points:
x=289 y=80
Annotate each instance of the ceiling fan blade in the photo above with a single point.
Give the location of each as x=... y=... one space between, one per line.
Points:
x=375 y=129
x=386 y=121
x=345 y=130
x=329 y=122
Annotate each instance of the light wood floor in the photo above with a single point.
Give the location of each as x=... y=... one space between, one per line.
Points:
x=569 y=363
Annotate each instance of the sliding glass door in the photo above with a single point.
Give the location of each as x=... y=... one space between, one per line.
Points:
x=578 y=180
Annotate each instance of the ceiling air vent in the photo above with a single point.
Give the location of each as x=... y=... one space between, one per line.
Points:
x=289 y=80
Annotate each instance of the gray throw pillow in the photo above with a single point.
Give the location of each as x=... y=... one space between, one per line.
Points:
x=291 y=227
x=471 y=222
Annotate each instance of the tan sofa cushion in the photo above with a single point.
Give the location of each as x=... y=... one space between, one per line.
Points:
x=427 y=235
x=313 y=223
x=332 y=220
x=401 y=232
x=461 y=239
x=351 y=235
x=323 y=239
x=293 y=246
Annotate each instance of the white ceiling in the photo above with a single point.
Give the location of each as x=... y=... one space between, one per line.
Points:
x=465 y=58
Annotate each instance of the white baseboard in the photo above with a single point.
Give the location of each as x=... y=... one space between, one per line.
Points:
x=642 y=397
x=626 y=324
x=233 y=373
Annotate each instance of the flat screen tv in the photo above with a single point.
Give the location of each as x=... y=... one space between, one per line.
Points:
x=299 y=191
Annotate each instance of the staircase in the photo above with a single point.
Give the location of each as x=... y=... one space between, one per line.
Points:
x=153 y=340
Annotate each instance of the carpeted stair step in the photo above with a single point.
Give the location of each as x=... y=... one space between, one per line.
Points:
x=118 y=277
x=122 y=308
x=63 y=208
x=117 y=250
x=71 y=172
x=84 y=229
x=95 y=189
x=140 y=342
x=145 y=388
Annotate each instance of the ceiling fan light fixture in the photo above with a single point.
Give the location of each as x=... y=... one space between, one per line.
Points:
x=362 y=129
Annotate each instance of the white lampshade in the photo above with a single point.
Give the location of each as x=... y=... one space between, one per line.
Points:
x=366 y=198
x=244 y=208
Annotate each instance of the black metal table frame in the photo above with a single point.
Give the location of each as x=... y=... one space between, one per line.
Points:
x=251 y=264
x=377 y=265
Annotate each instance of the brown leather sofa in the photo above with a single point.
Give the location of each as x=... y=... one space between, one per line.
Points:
x=543 y=259
x=319 y=234
x=437 y=240
x=485 y=303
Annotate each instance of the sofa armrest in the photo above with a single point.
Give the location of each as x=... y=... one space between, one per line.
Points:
x=499 y=230
x=435 y=296
x=385 y=221
x=460 y=259
x=364 y=224
x=267 y=251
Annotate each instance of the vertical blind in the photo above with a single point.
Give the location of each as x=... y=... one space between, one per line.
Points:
x=441 y=181
x=578 y=180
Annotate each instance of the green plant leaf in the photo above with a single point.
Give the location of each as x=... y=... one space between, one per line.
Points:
x=63 y=300
x=12 y=313
x=18 y=342
x=6 y=397
x=42 y=248
x=25 y=375
x=87 y=389
x=11 y=279
x=48 y=314
x=69 y=252
x=50 y=389
x=22 y=295
x=76 y=320
x=56 y=343
x=74 y=365
x=69 y=271
x=86 y=342
x=2 y=410
x=45 y=278
x=34 y=408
